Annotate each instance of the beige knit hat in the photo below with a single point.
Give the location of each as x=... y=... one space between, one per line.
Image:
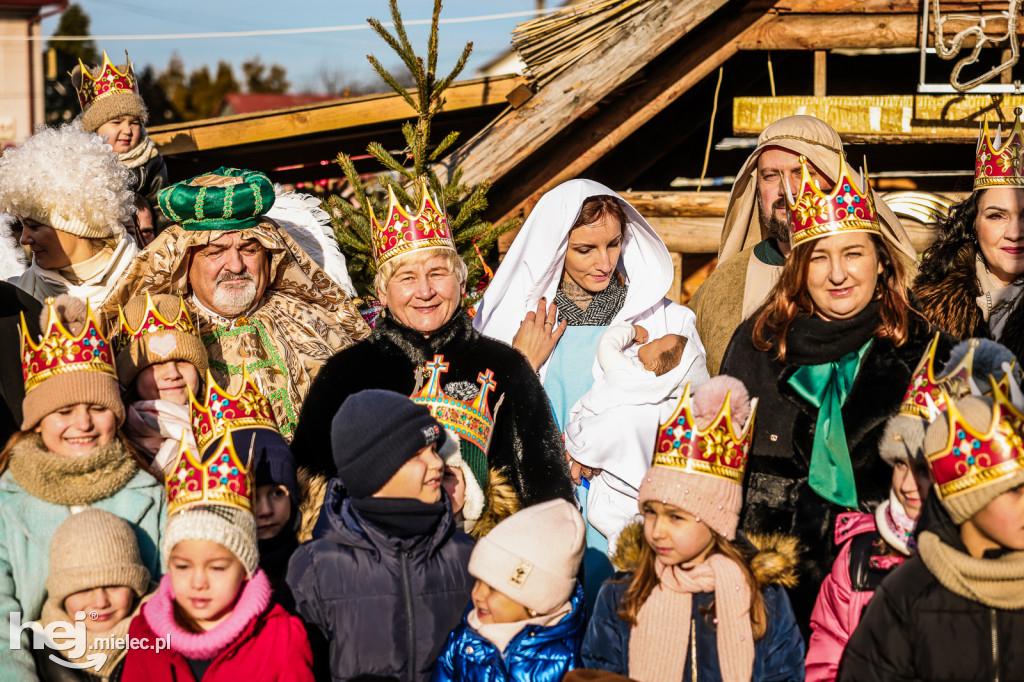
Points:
x=154 y=329
x=966 y=483
x=112 y=104
x=532 y=556
x=108 y=557
x=227 y=526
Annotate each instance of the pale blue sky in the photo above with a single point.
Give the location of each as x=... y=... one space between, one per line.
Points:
x=302 y=55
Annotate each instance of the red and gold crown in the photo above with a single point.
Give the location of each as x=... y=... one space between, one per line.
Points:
x=109 y=82
x=997 y=164
x=814 y=214
x=972 y=459
x=927 y=394
x=220 y=478
x=222 y=412
x=402 y=232
x=60 y=352
x=153 y=322
x=715 y=451
x=472 y=421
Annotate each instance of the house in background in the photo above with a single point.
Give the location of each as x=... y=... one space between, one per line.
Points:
x=21 y=67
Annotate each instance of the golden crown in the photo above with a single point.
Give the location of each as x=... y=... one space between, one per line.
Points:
x=471 y=420
x=109 y=82
x=59 y=351
x=1000 y=165
x=153 y=323
x=815 y=214
x=221 y=412
x=403 y=232
x=220 y=479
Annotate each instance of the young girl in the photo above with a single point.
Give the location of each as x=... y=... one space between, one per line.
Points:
x=526 y=618
x=160 y=359
x=69 y=456
x=696 y=603
x=214 y=605
x=107 y=584
x=276 y=503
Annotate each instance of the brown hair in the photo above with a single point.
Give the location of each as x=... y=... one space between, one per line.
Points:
x=18 y=436
x=790 y=298
x=645 y=579
x=596 y=207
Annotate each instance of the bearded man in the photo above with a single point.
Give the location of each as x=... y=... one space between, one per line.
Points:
x=258 y=299
x=755 y=239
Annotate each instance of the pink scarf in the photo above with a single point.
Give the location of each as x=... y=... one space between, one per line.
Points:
x=660 y=641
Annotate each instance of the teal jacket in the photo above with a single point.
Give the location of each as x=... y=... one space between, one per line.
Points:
x=27 y=524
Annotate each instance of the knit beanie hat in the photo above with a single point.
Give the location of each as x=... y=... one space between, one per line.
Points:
x=473 y=507
x=968 y=493
x=85 y=375
x=707 y=483
x=532 y=557
x=274 y=462
x=229 y=527
x=110 y=556
x=374 y=434
x=155 y=329
x=114 y=102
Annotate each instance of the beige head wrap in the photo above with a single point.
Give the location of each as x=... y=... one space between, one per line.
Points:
x=820 y=143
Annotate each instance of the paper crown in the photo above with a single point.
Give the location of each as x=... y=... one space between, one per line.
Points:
x=815 y=214
x=60 y=352
x=472 y=420
x=972 y=459
x=220 y=478
x=221 y=412
x=715 y=451
x=110 y=81
x=1000 y=165
x=402 y=232
x=152 y=323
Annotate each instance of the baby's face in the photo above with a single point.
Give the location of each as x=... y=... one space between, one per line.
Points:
x=104 y=607
x=651 y=353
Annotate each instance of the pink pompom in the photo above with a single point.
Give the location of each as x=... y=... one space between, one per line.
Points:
x=708 y=399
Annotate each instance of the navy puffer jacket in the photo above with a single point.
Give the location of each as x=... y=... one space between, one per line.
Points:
x=536 y=654
x=383 y=605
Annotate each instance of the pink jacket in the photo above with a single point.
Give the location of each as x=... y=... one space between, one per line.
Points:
x=839 y=607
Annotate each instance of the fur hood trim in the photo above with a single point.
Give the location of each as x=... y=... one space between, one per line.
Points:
x=774 y=562
x=312 y=489
x=501 y=502
x=950 y=303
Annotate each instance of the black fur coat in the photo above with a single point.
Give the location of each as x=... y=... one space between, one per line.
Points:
x=777 y=496
x=526 y=446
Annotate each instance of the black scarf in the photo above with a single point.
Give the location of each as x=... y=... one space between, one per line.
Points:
x=276 y=551
x=815 y=341
x=602 y=309
x=400 y=517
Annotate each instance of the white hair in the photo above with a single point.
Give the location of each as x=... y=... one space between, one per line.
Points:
x=421 y=255
x=70 y=173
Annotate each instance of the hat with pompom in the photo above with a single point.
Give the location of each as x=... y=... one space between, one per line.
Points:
x=153 y=330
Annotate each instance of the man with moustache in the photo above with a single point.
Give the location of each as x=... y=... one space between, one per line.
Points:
x=755 y=239
x=257 y=298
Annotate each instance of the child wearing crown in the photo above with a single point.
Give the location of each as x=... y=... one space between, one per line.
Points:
x=956 y=610
x=69 y=456
x=160 y=359
x=214 y=604
x=695 y=603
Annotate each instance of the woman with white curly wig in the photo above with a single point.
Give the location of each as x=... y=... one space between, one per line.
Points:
x=73 y=199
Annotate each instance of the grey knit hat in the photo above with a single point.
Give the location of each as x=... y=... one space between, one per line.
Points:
x=227 y=526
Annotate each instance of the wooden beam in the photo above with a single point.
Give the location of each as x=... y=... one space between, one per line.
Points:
x=263 y=126
x=820 y=72
x=678 y=204
x=883 y=6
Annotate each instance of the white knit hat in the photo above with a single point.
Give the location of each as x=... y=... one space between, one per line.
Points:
x=473 y=507
x=532 y=556
x=227 y=526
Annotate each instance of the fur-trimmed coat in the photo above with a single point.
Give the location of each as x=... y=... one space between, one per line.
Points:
x=777 y=495
x=779 y=655
x=526 y=446
x=950 y=303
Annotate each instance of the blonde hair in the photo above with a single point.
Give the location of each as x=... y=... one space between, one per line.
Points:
x=390 y=267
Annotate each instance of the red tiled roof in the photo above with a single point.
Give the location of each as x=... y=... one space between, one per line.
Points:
x=246 y=102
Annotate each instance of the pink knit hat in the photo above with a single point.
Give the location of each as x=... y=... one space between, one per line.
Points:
x=532 y=556
x=700 y=457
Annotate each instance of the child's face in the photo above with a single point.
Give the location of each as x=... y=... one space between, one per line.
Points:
x=273 y=508
x=651 y=354
x=999 y=525
x=911 y=482
x=677 y=537
x=123 y=133
x=104 y=607
x=454 y=484
x=494 y=607
x=168 y=381
x=418 y=479
x=75 y=430
x=206 y=579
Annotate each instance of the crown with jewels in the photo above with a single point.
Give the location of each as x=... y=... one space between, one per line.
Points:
x=472 y=421
x=715 y=451
x=927 y=395
x=221 y=412
x=972 y=459
x=152 y=323
x=110 y=81
x=219 y=478
x=60 y=352
x=997 y=164
x=814 y=214
x=402 y=232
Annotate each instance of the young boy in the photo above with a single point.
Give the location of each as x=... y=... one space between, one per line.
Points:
x=384 y=579
x=955 y=611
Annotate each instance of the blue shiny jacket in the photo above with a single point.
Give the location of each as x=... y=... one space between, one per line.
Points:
x=778 y=656
x=536 y=654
